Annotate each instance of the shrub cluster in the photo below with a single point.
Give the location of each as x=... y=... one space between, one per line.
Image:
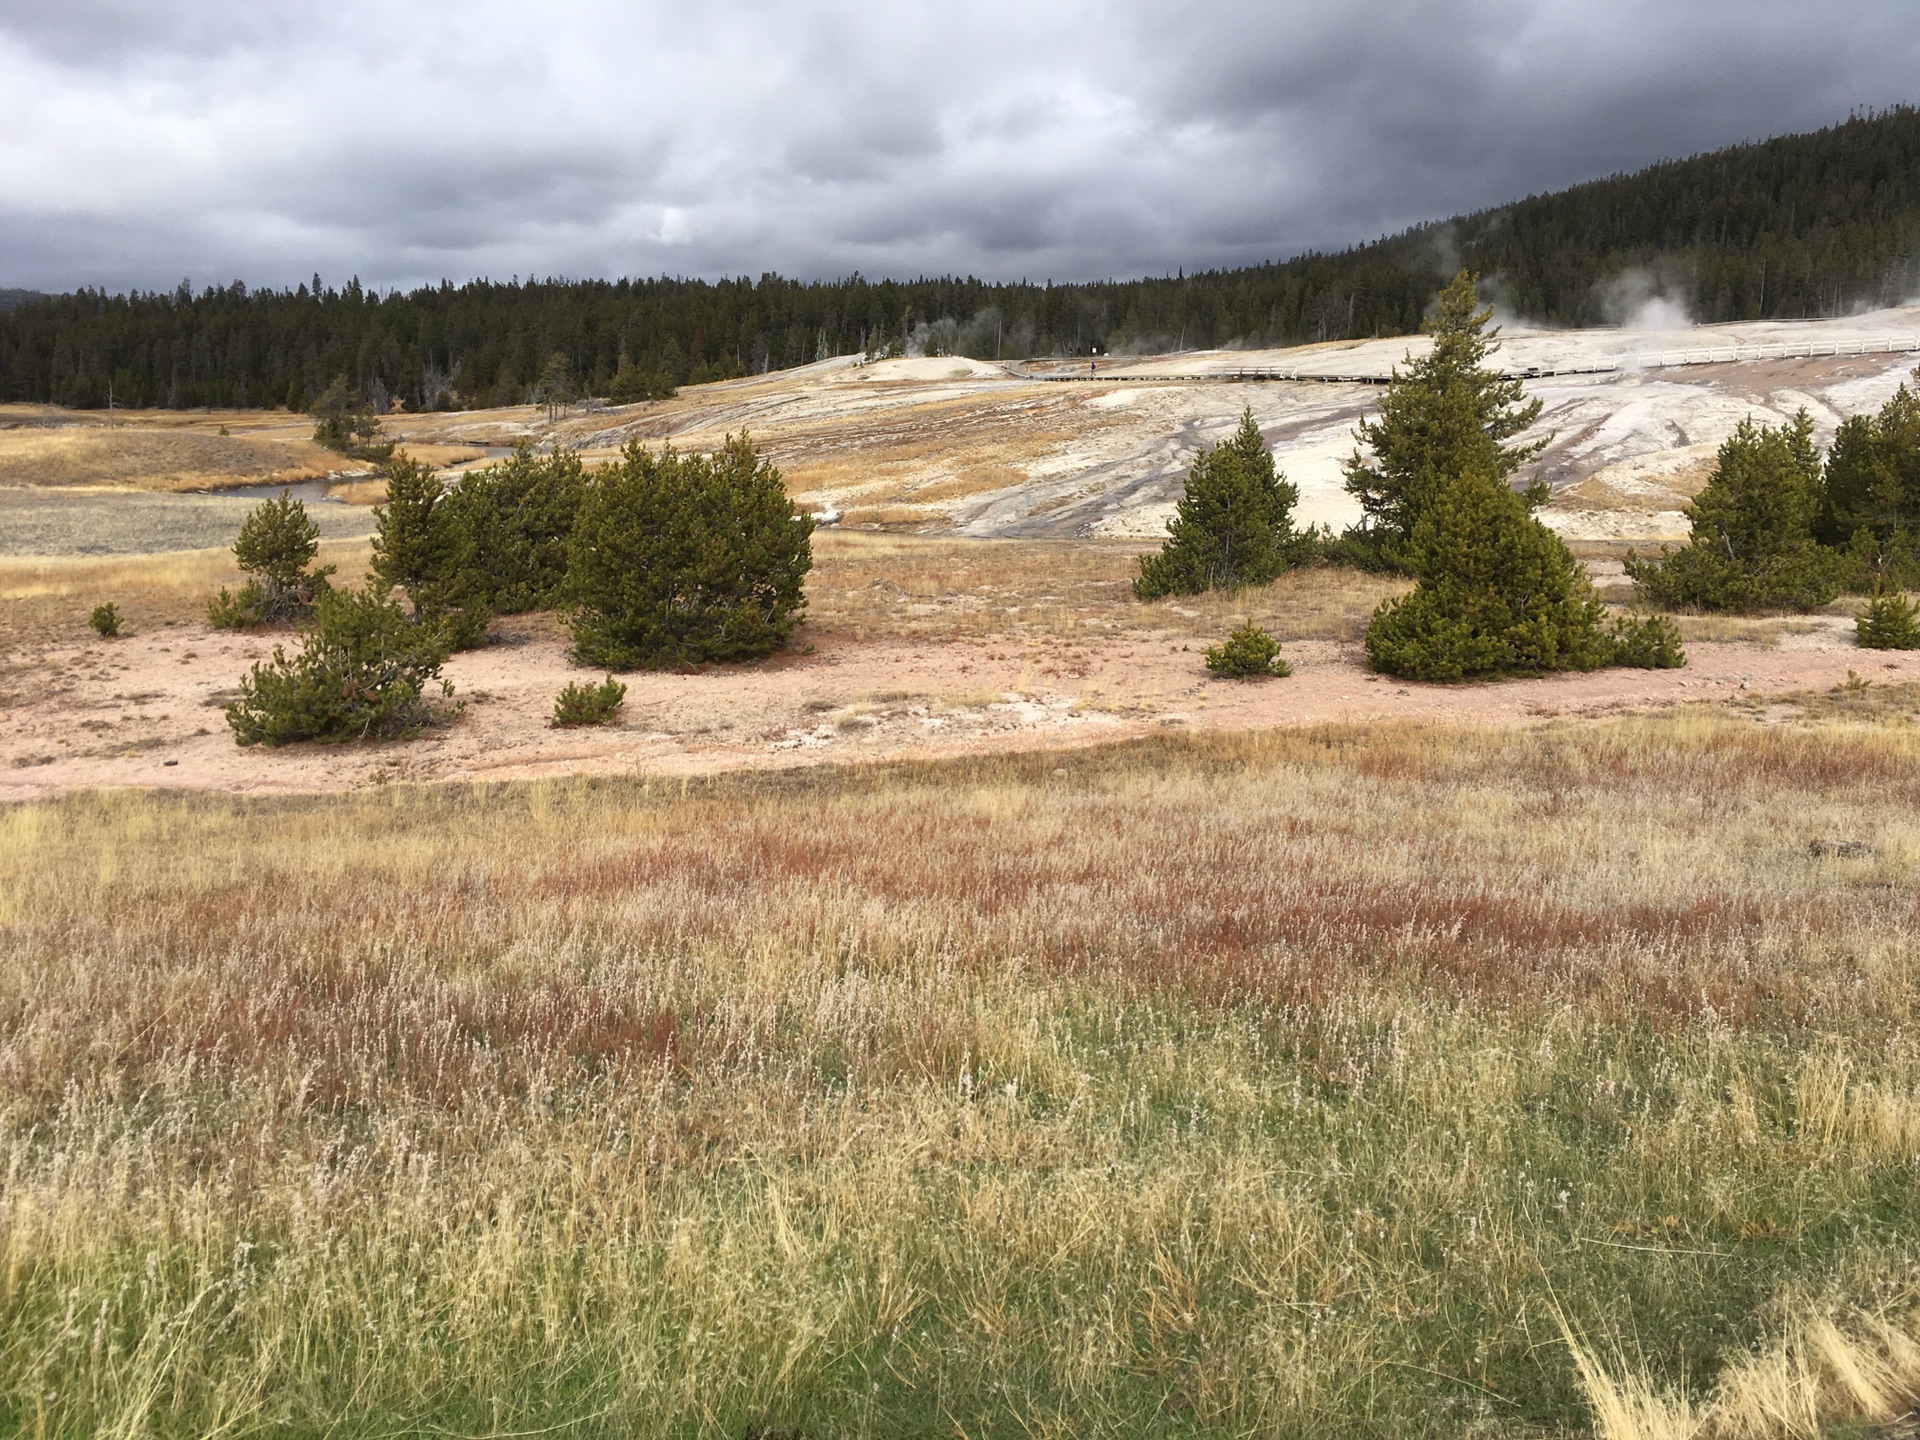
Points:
x=278 y=541
x=588 y=704
x=361 y=671
x=680 y=559
x=493 y=543
x=1780 y=528
x=1498 y=592
x=1646 y=642
x=661 y=559
x=1872 y=500
x=1754 y=542
x=1249 y=653
x=664 y=560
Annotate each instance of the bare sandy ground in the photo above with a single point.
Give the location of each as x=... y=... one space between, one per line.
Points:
x=146 y=711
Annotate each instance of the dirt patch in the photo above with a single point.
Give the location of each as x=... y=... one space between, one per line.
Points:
x=146 y=710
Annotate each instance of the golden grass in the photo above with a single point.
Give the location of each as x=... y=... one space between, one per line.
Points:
x=41 y=599
x=898 y=586
x=439 y=456
x=34 y=577
x=360 y=492
x=1297 y=1083
x=1862 y=1368
x=150 y=457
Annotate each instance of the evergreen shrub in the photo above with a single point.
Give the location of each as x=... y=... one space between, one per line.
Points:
x=1868 y=562
x=1499 y=594
x=361 y=671
x=679 y=559
x=1890 y=622
x=1753 y=544
x=1249 y=653
x=1873 y=485
x=105 y=621
x=416 y=549
x=493 y=543
x=278 y=541
x=588 y=704
x=412 y=544
x=509 y=527
x=1233 y=526
x=1645 y=642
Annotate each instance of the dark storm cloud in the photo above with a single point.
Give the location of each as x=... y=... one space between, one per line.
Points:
x=247 y=138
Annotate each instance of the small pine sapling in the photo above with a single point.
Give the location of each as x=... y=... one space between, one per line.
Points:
x=1890 y=622
x=105 y=621
x=1646 y=642
x=1233 y=526
x=1249 y=653
x=277 y=542
x=588 y=704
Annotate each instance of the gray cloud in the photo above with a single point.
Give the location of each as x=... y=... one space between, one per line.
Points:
x=266 y=140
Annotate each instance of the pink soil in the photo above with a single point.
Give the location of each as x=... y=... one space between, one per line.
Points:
x=145 y=710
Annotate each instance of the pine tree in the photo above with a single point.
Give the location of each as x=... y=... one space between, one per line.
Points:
x=1446 y=415
x=1890 y=622
x=1752 y=544
x=1873 y=492
x=413 y=547
x=678 y=559
x=277 y=541
x=1499 y=594
x=1233 y=526
x=510 y=525
x=554 y=389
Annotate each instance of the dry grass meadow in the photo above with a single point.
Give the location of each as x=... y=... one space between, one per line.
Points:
x=1413 y=1078
x=1378 y=1081
x=160 y=450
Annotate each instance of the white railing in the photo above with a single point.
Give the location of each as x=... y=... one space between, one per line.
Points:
x=1656 y=360
x=1784 y=350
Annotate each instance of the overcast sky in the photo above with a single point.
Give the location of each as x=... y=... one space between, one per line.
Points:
x=412 y=140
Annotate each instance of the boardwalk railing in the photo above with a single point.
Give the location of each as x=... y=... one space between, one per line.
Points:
x=1654 y=360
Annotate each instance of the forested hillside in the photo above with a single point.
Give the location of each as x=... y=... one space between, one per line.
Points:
x=1803 y=225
